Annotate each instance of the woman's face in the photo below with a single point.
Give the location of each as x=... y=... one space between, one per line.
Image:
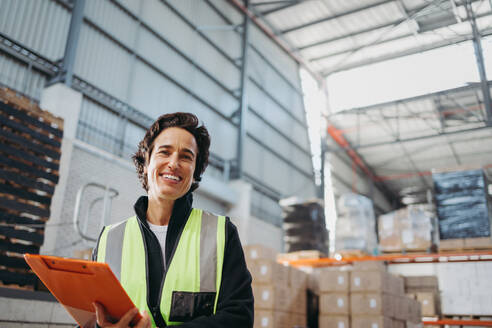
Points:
x=171 y=164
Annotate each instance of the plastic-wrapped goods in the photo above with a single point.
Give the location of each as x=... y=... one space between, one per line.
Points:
x=463 y=205
x=409 y=228
x=304 y=227
x=356 y=224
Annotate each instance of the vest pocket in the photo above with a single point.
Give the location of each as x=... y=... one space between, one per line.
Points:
x=188 y=305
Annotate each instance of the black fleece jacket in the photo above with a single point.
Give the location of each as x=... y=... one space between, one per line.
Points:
x=235 y=303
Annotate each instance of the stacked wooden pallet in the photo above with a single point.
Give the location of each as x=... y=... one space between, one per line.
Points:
x=30 y=151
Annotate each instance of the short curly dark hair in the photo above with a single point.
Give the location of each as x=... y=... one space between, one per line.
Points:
x=186 y=121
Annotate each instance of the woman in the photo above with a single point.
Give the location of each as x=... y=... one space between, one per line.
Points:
x=183 y=266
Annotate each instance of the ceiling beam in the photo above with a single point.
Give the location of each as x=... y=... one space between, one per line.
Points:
x=470 y=87
x=360 y=47
x=405 y=52
x=371 y=29
x=339 y=15
x=430 y=136
x=274 y=10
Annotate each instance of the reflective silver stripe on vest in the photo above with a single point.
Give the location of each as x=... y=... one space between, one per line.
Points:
x=114 y=247
x=208 y=253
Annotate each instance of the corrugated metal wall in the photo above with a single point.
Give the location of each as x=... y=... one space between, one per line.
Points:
x=41 y=26
x=180 y=55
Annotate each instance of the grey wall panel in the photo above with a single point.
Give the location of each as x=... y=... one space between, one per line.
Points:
x=103 y=63
x=274 y=140
x=210 y=23
x=228 y=10
x=132 y=5
x=276 y=116
x=17 y=76
x=98 y=126
x=265 y=167
x=113 y=20
x=156 y=96
x=176 y=31
x=133 y=135
x=277 y=87
x=40 y=25
x=253 y=154
x=301 y=186
x=265 y=208
x=275 y=173
x=283 y=62
x=170 y=62
x=202 y=201
x=343 y=179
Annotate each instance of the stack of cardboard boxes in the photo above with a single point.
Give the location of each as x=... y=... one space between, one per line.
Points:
x=409 y=228
x=365 y=297
x=333 y=288
x=279 y=291
x=377 y=299
x=424 y=289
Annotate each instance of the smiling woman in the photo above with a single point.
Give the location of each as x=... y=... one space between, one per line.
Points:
x=172 y=258
x=169 y=171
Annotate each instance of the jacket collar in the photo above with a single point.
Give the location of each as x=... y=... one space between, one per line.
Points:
x=181 y=209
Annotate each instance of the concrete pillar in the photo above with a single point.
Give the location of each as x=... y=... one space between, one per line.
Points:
x=252 y=230
x=240 y=212
x=66 y=103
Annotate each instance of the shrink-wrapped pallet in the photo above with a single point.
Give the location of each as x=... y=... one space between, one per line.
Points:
x=355 y=226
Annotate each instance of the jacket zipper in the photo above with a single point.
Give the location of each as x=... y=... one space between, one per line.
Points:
x=155 y=310
x=166 y=266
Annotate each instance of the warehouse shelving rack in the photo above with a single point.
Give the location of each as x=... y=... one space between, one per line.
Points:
x=454 y=257
x=397 y=259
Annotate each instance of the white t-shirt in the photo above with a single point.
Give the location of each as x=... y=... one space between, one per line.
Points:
x=160 y=231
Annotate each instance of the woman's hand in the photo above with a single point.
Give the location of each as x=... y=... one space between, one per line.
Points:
x=104 y=321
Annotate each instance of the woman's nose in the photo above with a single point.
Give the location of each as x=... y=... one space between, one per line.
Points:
x=173 y=162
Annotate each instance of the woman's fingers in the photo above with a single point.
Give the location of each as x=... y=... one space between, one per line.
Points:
x=144 y=322
x=127 y=318
x=123 y=322
x=100 y=314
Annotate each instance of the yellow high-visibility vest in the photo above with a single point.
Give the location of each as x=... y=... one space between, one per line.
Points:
x=192 y=280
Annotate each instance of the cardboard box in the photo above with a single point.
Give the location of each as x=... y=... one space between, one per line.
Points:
x=268 y=272
x=372 y=304
x=333 y=321
x=272 y=319
x=374 y=281
x=272 y=297
x=334 y=303
x=365 y=321
x=451 y=244
x=421 y=282
x=333 y=281
x=298 y=300
x=298 y=320
x=263 y=319
x=396 y=284
x=259 y=252
x=479 y=242
x=297 y=278
x=369 y=266
x=408 y=324
x=427 y=303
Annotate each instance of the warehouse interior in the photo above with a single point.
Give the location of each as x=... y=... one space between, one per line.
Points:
x=350 y=146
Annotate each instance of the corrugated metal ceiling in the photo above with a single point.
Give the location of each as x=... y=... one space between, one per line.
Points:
x=333 y=35
x=402 y=141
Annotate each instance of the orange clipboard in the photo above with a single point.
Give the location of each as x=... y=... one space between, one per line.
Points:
x=76 y=284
